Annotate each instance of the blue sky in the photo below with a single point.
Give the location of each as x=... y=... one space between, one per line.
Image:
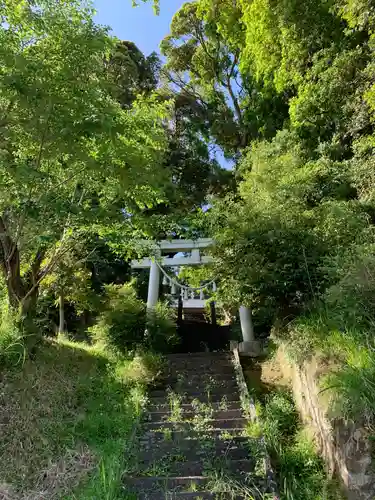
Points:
x=138 y=24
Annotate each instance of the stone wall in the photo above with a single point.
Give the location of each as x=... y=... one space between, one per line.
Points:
x=345 y=446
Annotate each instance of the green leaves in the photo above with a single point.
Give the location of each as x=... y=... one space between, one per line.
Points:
x=70 y=156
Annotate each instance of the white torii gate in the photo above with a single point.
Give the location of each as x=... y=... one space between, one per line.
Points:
x=194 y=259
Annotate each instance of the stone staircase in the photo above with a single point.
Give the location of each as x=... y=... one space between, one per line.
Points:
x=194 y=443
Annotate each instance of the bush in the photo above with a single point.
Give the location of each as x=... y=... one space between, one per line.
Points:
x=161 y=329
x=340 y=327
x=123 y=323
x=280 y=418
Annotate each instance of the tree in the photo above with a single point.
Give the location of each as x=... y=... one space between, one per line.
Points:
x=132 y=73
x=291 y=215
x=203 y=54
x=69 y=282
x=71 y=158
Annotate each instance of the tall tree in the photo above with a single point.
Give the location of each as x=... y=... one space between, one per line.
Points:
x=203 y=55
x=132 y=72
x=71 y=159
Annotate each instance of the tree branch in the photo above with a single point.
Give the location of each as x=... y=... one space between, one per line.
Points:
x=47 y=269
x=228 y=86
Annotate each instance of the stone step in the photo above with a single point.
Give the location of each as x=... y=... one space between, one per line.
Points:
x=149 y=487
x=194 y=392
x=199 y=378
x=163 y=406
x=234 y=423
x=194 y=358
x=201 y=362
x=191 y=371
x=196 y=385
x=217 y=397
x=163 y=416
x=235 y=449
x=196 y=439
x=197 y=495
x=196 y=468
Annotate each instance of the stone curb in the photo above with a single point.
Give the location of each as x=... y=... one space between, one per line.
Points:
x=248 y=403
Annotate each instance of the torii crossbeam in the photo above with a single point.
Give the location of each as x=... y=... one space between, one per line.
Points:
x=195 y=248
x=195 y=258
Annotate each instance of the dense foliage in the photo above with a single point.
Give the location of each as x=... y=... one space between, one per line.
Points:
x=71 y=158
x=101 y=144
x=122 y=324
x=286 y=89
x=90 y=160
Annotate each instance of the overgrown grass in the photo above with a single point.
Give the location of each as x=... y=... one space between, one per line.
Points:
x=12 y=348
x=349 y=353
x=66 y=419
x=300 y=472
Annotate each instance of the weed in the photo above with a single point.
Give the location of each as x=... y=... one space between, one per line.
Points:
x=351 y=350
x=224 y=486
x=253 y=430
x=68 y=415
x=12 y=346
x=300 y=471
x=223 y=405
x=174 y=401
x=167 y=434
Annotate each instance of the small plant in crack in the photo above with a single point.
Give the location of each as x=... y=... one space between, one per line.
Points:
x=207 y=446
x=253 y=430
x=165 y=465
x=167 y=434
x=203 y=409
x=208 y=468
x=193 y=487
x=175 y=401
x=181 y=380
x=202 y=420
x=210 y=384
x=157 y=469
x=201 y=423
x=223 y=405
x=226 y=435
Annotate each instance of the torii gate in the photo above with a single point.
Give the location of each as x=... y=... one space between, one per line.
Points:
x=194 y=259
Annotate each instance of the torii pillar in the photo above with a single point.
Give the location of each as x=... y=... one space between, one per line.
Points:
x=246 y=324
x=249 y=346
x=153 y=285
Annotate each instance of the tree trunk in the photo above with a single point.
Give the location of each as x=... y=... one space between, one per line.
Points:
x=61 y=313
x=10 y=265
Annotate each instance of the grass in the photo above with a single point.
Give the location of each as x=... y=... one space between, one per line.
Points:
x=67 y=417
x=349 y=354
x=12 y=348
x=300 y=471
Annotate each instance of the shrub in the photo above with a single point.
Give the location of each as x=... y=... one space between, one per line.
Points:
x=161 y=329
x=280 y=418
x=340 y=326
x=123 y=323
